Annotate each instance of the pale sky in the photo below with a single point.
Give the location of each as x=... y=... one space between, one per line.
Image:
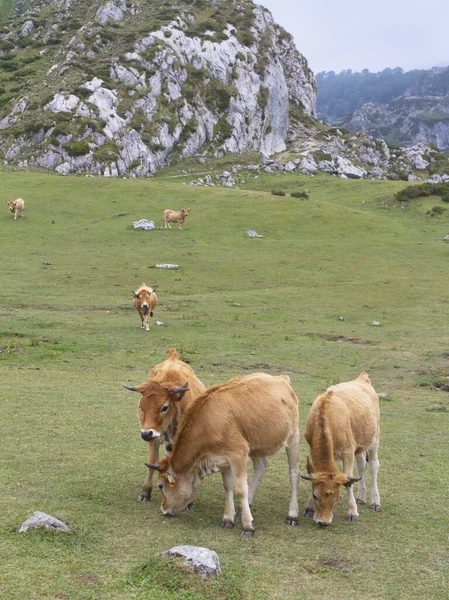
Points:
x=356 y=34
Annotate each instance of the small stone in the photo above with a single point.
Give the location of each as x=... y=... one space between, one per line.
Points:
x=40 y=520
x=203 y=560
x=375 y=323
x=252 y=233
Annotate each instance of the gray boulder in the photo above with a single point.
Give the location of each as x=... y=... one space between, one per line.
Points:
x=40 y=520
x=203 y=560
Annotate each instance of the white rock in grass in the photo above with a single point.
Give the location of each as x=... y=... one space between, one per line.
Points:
x=144 y=224
x=203 y=560
x=41 y=520
x=375 y=323
x=251 y=233
x=167 y=266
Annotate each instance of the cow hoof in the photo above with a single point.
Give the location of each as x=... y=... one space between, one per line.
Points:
x=247 y=533
x=352 y=518
x=189 y=507
x=291 y=520
x=144 y=497
x=375 y=507
x=309 y=512
x=227 y=524
x=360 y=501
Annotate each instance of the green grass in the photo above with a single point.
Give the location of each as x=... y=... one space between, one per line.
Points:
x=300 y=301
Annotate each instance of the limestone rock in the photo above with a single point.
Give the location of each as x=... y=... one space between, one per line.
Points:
x=203 y=560
x=42 y=520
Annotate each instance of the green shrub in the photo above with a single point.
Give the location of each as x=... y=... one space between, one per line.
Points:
x=445 y=197
x=436 y=211
x=424 y=189
x=217 y=95
x=262 y=97
x=303 y=195
x=319 y=156
x=77 y=148
x=278 y=192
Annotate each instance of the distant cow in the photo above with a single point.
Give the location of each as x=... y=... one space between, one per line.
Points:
x=145 y=301
x=343 y=423
x=251 y=416
x=16 y=207
x=175 y=216
x=168 y=393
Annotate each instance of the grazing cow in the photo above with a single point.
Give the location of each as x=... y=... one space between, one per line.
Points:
x=17 y=207
x=145 y=301
x=171 y=389
x=343 y=423
x=251 y=416
x=175 y=216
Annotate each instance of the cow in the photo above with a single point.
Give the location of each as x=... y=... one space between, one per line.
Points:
x=145 y=301
x=171 y=389
x=175 y=216
x=16 y=207
x=343 y=423
x=250 y=416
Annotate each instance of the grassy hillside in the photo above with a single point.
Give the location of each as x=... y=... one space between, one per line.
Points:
x=301 y=300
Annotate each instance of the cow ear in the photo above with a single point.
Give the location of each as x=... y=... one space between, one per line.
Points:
x=310 y=466
x=135 y=295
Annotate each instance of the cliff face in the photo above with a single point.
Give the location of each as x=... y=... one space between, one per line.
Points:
x=420 y=115
x=115 y=87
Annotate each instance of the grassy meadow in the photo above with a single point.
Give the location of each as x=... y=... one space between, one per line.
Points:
x=301 y=300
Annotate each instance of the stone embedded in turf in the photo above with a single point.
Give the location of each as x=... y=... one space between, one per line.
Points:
x=40 y=520
x=203 y=560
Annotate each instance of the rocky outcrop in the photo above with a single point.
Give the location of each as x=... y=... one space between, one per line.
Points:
x=233 y=83
x=420 y=115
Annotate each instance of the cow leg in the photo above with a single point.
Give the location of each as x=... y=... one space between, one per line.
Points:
x=229 y=513
x=259 y=466
x=361 y=469
x=153 y=457
x=146 y=322
x=293 y=474
x=348 y=467
x=310 y=508
x=238 y=466
x=374 y=467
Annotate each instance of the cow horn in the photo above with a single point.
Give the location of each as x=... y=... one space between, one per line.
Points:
x=180 y=389
x=308 y=477
x=353 y=479
x=131 y=388
x=155 y=467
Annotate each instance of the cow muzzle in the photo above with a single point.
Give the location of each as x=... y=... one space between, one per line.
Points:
x=148 y=435
x=145 y=309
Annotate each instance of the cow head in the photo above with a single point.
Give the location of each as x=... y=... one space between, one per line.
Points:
x=185 y=211
x=178 y=490
x=157 y=408
x=144 y=298
x=11 y=206
x=325 y=491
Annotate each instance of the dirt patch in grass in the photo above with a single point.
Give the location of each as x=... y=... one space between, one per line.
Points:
x=342 y=338
x=344 y=566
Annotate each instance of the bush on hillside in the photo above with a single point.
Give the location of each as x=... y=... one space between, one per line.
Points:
x=424 y=189
x=278 y=192
x=303 y=195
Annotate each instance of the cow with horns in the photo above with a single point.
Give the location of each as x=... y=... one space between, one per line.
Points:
x=251 y=416
x=168 y=393
x=343 y=423
x=145 y=300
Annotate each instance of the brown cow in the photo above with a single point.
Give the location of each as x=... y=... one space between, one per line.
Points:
x=175 y=216
x=343 y=423
x=16 y=207
x=171 y=389
x=145 y=301
x=251 y=416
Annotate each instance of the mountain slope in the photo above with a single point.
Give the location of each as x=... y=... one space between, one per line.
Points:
x=119 y=87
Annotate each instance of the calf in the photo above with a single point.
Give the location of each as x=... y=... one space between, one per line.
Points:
x=251 y=416
x=175 y=216
x=343 y=423
x=145 y=301
x=16 y=207
x=168 y=393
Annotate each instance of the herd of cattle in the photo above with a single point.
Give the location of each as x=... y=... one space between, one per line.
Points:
x=217 y=429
